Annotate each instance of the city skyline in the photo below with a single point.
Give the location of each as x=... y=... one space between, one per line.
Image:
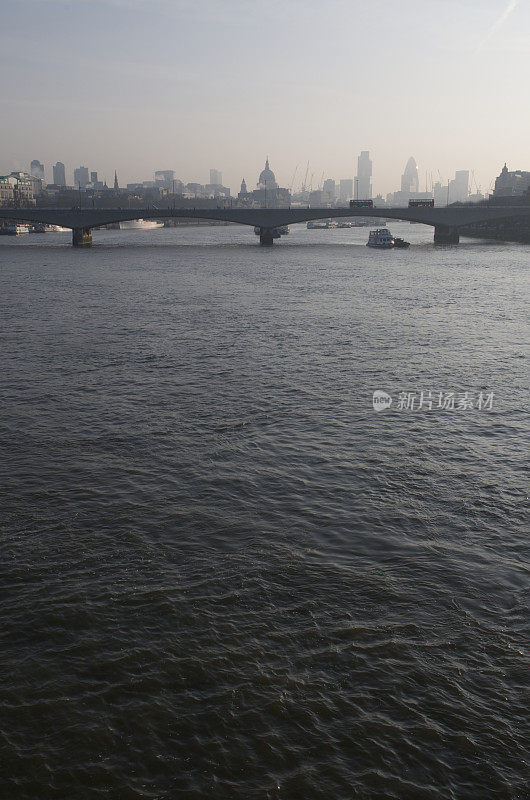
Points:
x=221 y=88
x=358 y=186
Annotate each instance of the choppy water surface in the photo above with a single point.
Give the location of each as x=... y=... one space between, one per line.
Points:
x=225 y=575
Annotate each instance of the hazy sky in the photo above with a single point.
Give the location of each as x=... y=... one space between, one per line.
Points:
x=139 y=85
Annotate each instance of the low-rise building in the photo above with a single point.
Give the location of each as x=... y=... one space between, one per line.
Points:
x=19 y=188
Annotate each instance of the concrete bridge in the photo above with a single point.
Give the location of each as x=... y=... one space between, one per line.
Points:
x=446 y=221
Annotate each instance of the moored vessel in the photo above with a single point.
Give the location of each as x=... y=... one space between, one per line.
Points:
x=14 y=229
x=140 y=224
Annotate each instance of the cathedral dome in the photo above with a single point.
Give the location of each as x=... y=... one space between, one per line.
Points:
x=267 y=178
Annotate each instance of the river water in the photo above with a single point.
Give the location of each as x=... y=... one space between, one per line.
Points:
x=224 y=574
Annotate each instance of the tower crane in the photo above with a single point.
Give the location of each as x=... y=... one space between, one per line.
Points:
x=292 y=179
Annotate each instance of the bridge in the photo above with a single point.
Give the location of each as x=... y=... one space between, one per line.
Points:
x=446 y=221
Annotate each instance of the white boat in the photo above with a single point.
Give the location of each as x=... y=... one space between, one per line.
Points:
x=14 y=229
x=381 y=238
x=140 y=224
x=56 y=229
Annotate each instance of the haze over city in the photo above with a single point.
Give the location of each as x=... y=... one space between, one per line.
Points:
x=137 y=86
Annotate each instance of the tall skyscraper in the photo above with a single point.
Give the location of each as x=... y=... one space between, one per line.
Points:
x=410 y=181
x=216 y=177
x=363 y=185
x=459 y=187
x=37 y=169
x=93 y=177
x=59 y=174
x=329 y=190
x=345 y=189
x=81 y=177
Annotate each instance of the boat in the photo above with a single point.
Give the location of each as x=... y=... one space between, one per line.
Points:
x=56 y=229
x=401 y=244
x=140 y=224
x=381 y=238
x=324 y=225
x=14 y=229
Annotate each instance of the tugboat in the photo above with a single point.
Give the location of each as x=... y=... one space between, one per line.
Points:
x=381 y=238
x=400 y=243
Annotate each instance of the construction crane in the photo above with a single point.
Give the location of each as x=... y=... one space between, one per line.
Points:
x=305 y=177
x=292 y=179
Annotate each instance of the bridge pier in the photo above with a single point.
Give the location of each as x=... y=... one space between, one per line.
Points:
x=82 y=237
x=265 y=237
x=444 y=234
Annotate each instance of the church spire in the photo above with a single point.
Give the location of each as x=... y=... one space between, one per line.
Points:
x=116 y=186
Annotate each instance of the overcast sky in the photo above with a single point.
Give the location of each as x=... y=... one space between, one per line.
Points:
x=139 y=85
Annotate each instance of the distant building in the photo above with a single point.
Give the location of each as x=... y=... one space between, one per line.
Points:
x=267 y=192
x=329 y=190
x=216 y=190
x=316 y=198
x=216 y=177
x=18 y=188
x=345 y=190
x=267 y=179
x=410 y=181
x=440 y=194
x=165 y=178
x=116 y=184
x=7 y=190
x=243 y=191
x=81 y=177
x=459 y=187
x=511 y=184
x=363 y=185
x=59 y=174
x=195 y=190
x=37 y=170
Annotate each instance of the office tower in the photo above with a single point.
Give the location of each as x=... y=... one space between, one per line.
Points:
x=93 y=178
x=165 y=178
x=345 y=189
x=459 y=187
x=59 y=174
x=37 y=169
x=410 y=181
x=81 y=177
x=329 y=190
x=216 y=177
x=363 y=185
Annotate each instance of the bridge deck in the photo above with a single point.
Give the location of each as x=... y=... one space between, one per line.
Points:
x=450 y=216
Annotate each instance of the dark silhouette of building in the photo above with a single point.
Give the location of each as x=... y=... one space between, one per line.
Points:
x=59 y=174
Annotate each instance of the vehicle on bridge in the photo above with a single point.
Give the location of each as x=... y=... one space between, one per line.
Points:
x=361 y=203
x=421 y=203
